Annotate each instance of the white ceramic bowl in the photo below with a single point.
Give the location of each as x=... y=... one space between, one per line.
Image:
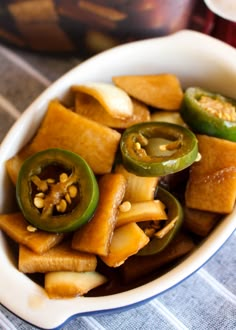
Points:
x=223 y=8
x=197 y=60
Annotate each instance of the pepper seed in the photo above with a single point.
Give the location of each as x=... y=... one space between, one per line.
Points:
x=125 y=206
x=63 y=177
x=40 y=195
x=67 y=198
x=49 y=180
x=39 y=202
x=73 y=191
x=31 y=229
x=61 y=207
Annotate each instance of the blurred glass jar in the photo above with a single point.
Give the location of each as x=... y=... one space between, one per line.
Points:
x=89 y=26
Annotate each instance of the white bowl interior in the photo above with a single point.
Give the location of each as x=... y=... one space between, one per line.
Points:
x=197 y=60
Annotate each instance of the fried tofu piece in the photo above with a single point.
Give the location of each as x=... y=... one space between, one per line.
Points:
x=56 y=40
x=100 y=10
x=96 y=235
x=62 y=128
x=60 y=258
x=96 y=143
x=162 y=91
x=200 y=222
x=14 y=164
x=212 y=181
x=89 y=107
x=17 y=228
x=33 y=11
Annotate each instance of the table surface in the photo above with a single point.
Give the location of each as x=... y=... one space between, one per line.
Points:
x=206 y=300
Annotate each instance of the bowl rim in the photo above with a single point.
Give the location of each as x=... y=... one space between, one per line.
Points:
x=38 y=301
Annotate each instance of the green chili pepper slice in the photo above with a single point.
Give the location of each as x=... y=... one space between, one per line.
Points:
x=175 y=217
x=209 y=113
x=56 y=190
x=157 y=148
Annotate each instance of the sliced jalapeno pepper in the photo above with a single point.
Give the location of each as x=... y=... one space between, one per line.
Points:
x=209 y=113
x=56 y=190
x=157 y=148
x=175 y=217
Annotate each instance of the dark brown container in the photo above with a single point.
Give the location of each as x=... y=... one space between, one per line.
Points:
x=89 y=25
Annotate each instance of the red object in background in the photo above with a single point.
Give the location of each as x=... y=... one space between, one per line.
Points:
x=206 y=21
x=225 y=30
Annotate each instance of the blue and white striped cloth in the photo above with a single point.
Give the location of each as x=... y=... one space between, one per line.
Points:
x=205 y=301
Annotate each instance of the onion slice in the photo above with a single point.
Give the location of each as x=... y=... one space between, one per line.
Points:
x=113 y=99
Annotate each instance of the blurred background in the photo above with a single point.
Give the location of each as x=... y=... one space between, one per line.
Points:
x=90 y=26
